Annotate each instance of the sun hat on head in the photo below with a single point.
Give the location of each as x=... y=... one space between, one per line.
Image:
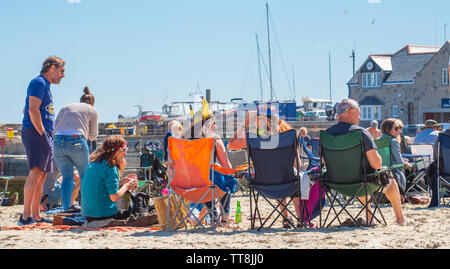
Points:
x=430 y=124
x=374 y=124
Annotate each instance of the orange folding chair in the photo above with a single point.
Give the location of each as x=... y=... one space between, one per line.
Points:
x=191 y=176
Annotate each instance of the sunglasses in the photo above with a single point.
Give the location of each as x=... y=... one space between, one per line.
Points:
x=398 y=128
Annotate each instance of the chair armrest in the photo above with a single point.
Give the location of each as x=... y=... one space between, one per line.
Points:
x=379 y=172
x=310 y=158
x=396 y=166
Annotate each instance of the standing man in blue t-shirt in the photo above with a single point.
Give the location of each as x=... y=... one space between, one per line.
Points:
x=37 y=136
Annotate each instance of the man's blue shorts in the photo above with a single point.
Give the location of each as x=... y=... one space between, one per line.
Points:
x=39 y=149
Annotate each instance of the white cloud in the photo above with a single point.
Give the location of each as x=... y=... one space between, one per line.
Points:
x=73 y=1
x=374 y=1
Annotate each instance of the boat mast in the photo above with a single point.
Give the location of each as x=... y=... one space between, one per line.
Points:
x=329 y=71
x=293 y=82
x=270 y=60
x=259 y=67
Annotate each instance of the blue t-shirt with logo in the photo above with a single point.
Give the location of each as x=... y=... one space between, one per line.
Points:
x=40 y=87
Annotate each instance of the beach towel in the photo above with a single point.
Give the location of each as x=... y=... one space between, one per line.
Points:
x=48 y=226
x=69 y=219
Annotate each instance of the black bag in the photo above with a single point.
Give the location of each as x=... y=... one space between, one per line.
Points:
x=140 y=203
x=141 y=213
x=381 y=179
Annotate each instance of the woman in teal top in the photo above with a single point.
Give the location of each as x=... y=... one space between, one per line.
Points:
x=101 y=184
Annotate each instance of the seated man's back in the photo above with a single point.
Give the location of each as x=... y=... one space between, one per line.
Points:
x=369 y=145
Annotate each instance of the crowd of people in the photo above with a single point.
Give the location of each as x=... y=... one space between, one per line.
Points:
x=58 y=147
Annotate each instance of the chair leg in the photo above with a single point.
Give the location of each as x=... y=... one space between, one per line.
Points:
x=252 y=215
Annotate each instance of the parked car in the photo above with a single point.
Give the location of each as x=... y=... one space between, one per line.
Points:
x=412 y=130
x=444 y=126
x=315 y=116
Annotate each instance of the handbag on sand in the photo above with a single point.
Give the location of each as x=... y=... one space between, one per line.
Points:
x=161 y=211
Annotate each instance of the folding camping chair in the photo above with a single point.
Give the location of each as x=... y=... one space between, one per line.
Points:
x=315 y=145
x=424 y=151
x=274 y=176
x=239 y=161
x=313 y=161
x=5 y=191
x=422 y=155
x=384 y=149
x=191 y=173
x=443 y=164
x=313 y=168
x=345 y=172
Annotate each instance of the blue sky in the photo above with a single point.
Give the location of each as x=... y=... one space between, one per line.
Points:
x=145 y=51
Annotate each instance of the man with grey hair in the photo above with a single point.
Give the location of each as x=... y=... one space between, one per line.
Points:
x=349 y=116
x=373 y=129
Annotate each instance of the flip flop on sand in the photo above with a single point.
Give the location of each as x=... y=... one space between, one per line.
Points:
x=405 y=222
x=348 y=223
x=363 y=222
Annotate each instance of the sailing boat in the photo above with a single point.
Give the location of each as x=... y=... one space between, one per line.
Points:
x=286 y=108
x=181 y=110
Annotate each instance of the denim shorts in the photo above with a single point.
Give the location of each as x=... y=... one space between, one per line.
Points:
x=39 y=149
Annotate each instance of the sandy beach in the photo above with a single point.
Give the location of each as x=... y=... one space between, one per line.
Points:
x=430 y=230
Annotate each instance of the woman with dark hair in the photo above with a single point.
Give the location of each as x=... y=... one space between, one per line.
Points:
x=393 y=128
x=265 y=122
x=74 y=126
x=101 y=186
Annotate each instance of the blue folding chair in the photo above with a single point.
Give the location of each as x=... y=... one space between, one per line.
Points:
x=315 y=146
x=443 y=165
x=313 y=161
x=274 y=175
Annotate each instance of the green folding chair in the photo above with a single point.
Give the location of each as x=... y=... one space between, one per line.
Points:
x=344 y=173
x=384 y=150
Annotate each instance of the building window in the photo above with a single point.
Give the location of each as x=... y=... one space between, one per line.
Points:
x=371 y=80
x=370 y=112
x=395 y=111
x=445 y=76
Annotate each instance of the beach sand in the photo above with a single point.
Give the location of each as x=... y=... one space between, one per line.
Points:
x=431 y=229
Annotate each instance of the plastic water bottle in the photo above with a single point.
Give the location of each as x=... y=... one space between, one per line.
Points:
x=238 y=213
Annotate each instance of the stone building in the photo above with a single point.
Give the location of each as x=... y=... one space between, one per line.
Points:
x=411 y=85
